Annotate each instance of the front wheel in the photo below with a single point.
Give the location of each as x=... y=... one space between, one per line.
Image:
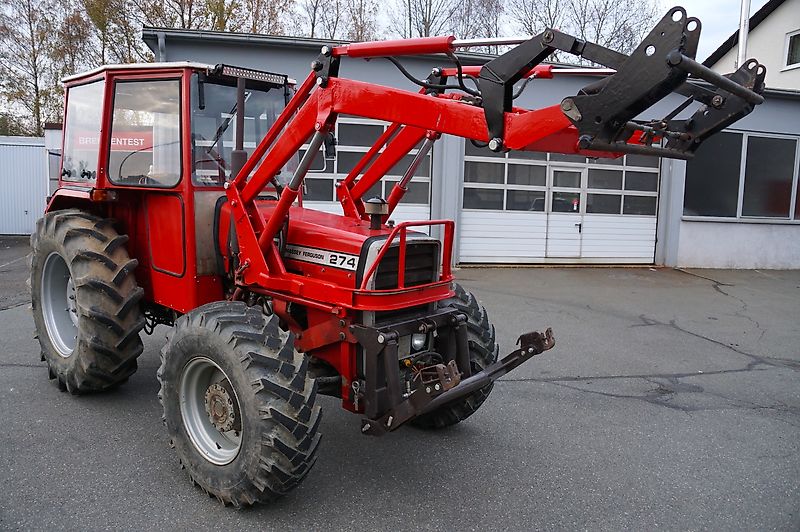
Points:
x=482 y=352
x=239 y=405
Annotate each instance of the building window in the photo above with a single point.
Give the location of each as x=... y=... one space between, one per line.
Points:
x=539 y=182
x=720 y=182
x=793 y=49
x=712 y=177
x=768 y=176
x=354 y=137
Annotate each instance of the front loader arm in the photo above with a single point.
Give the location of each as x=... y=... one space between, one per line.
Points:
x=602 y=120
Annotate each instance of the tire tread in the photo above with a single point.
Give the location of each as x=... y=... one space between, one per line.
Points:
x=483 y=351
x=288 y=418
x=110 y=319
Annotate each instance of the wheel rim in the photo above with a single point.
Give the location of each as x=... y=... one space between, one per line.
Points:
x=59 y=305
x=207 y=397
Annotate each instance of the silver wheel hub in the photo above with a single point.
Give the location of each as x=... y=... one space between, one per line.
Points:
x=210 y=410
x=220 y=408
x=59 y=305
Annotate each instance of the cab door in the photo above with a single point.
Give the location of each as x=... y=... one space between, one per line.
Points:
x=145 y=166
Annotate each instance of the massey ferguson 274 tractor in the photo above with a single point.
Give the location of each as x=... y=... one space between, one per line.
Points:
x=165 y=216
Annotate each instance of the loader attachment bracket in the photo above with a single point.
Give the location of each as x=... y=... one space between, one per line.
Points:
x=605 y=112
x=387 y=407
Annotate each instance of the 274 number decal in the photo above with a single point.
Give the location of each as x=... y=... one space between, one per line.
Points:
x=342 y=261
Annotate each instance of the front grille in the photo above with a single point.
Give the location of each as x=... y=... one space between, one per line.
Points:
x=422 y=265
x=388 y=317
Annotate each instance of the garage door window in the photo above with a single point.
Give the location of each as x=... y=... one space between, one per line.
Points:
x=533 y=175
x=603 y=203
x=354 y=138
x=743 y=175
x=518 y=181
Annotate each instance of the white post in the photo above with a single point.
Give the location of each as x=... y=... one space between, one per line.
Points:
x=744 y=28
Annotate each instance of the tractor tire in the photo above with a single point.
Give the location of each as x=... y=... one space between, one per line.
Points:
x=239 y=404
x=482 y=351
x=85 y=301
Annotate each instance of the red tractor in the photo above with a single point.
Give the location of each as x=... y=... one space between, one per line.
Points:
x=180 y=203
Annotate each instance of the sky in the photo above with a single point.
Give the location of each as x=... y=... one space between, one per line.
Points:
x=720 y=18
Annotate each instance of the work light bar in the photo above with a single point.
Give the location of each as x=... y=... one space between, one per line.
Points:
x=248 y=73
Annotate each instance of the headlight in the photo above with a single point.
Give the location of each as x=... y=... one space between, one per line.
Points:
x=418 y=341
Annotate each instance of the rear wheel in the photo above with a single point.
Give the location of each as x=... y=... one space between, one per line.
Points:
x=85 y=301
x=238 y=403
x=482 y=352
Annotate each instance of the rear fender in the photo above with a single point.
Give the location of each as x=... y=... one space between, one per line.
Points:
x=72 y=198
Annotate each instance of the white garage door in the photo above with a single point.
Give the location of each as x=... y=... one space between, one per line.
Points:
x=538 y=208
x=354 y=137
x=23 y=168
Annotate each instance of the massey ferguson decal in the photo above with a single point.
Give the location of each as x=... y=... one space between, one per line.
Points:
x=323 y=257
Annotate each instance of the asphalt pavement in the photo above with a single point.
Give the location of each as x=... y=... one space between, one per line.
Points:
x=671 y=401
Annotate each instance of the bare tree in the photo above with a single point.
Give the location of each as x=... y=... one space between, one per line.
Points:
x=321 y=19
x=422 y=18
x=116 y=25
x=223 y=15
x=71 y=50
x=331 y=19
x=11 y=125
x=533 y=16
x=187 y=14
x=267 y=16
x=309 y=15
x=360 y=20
x=616 y=24
x=478 y=18
x=26 y=82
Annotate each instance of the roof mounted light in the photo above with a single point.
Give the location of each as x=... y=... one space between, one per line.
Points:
x=248 y=73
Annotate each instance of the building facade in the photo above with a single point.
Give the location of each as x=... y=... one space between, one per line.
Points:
x=529 y=208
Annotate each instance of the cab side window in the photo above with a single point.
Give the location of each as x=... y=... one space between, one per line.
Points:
x=145 y=145
x=82 y=132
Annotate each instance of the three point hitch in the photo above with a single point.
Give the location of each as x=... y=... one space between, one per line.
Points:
x=387 y=407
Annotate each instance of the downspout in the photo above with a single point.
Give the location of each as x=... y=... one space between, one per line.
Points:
x=162 y=47
x=744 y=28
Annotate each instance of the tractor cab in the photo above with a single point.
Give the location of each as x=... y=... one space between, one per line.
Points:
x=153 y=145
x=150 y=111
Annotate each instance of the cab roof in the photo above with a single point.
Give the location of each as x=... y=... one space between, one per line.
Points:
x=230 y=70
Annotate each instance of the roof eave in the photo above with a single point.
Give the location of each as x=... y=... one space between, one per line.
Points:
x=150 y=36
x=731 y=41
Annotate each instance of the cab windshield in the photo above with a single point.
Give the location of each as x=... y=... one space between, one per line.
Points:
x=214 y=117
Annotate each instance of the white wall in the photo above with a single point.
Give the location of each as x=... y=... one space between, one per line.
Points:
x=767 y=44
x=739 y=245
x=23 y=177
